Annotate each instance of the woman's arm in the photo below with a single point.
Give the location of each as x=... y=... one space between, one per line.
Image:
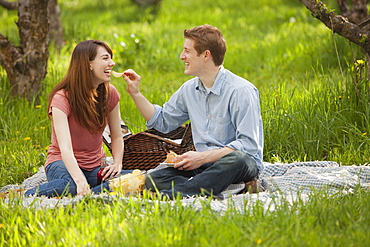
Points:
x=114 y=123
x=62 y=132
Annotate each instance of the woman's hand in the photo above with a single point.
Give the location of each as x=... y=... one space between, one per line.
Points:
x=83 y=188
x=111 y=171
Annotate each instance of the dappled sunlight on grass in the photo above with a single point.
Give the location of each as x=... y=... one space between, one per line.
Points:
x=289 y=55
x=314 y=107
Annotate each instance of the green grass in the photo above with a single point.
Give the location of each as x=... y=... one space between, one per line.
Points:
x=314 y=107
x=323 y=221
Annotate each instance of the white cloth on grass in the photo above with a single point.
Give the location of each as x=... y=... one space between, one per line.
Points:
x=283 y=182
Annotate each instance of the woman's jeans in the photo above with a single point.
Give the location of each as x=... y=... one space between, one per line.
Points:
x=209 y=179
x=60 y=182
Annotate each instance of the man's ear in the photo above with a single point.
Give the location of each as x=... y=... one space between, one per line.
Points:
x=207 y=55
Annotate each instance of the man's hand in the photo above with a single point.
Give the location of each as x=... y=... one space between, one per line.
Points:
x=133 y=81
x=189 y=160
x=193 y=159
x=143 y=105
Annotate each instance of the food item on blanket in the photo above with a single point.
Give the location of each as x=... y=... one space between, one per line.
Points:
x=128 y=183
x=170 y=156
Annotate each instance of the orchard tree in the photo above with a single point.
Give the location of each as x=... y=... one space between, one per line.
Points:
x=26 y=64
x=55 y=29
x=353 y=24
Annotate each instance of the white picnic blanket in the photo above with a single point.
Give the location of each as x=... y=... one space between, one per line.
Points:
x=286 y=183
x=283 y=182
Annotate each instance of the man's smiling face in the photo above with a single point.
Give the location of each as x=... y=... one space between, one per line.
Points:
x=193 y=62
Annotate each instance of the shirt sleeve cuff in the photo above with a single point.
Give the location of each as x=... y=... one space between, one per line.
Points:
x=150 y=124
x=236 y=146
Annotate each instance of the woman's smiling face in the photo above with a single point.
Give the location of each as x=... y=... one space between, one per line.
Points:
x=101 y=66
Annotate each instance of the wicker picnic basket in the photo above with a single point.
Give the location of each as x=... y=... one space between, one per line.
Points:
x=146 y=150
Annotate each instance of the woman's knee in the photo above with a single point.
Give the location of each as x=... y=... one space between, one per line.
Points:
x=57 y=170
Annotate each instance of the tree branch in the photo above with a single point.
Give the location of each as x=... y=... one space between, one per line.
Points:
x=9 y=5
x=338 y=24
x=365 y=23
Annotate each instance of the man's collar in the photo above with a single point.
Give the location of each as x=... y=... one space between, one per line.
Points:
x=216 y=88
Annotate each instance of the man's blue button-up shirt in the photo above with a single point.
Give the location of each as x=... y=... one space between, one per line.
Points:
x=228 y=115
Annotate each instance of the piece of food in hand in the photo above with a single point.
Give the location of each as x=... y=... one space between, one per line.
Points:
x=170 y=157
x=116 y=74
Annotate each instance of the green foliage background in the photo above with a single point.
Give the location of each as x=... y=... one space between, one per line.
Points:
x=314 y=105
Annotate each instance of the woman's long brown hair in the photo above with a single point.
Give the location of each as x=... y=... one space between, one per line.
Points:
x=88 y=105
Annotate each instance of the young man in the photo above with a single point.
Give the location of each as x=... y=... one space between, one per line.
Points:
x=224 y=112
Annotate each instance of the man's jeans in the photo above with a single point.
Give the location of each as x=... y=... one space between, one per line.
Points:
x=209 y=179
x=61 y=183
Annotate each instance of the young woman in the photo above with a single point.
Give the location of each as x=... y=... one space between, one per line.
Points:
x=80 y=107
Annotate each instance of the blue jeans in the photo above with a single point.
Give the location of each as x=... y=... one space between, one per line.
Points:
x=60 y=182
x=209 y=179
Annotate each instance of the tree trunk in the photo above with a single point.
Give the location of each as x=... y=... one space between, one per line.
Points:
x=26 y=65
x=56 y=33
